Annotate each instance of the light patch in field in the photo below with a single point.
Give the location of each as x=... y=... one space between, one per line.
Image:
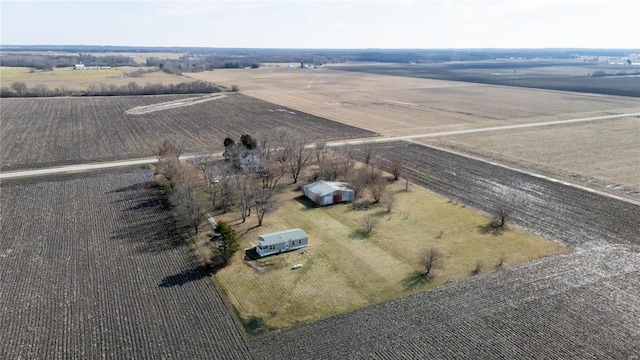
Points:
x=173 y=104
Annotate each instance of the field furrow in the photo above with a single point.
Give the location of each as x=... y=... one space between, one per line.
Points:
x=81 y=130
x=539 y=310
x=92 y=267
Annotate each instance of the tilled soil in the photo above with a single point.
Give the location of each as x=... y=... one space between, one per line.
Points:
x=570 y=215
x=46 y=132
x=91 y=266
x=585 y=304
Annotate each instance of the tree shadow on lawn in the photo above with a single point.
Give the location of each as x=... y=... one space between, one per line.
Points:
x=415 y=279
x=186 y=276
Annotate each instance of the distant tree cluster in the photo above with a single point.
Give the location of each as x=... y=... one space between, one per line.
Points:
x=198 y=63
x=49 y=62
x=20 y=89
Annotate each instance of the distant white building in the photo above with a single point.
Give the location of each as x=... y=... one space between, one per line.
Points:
x=281 y=241
x=79 y=67
x=329 y=192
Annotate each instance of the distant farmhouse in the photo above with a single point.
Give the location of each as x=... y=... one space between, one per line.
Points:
x=81 y=66
x=329 y=192
x=281 y=241
x=249 y=159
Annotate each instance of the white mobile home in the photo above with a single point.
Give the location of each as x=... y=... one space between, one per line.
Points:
x=281 y=241
x=329 y=192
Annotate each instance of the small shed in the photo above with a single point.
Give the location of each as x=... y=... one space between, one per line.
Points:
x=281 y=241
x=329 y=192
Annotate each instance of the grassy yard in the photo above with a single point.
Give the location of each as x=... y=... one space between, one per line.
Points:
x=343 y=271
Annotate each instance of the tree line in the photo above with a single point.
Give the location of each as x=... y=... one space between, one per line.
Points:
x=49 y=62
x=20 y=89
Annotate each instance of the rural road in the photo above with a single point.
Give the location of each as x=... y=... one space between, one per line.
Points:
x=379 y=140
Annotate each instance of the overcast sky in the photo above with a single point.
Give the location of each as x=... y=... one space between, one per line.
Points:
x=325 y=24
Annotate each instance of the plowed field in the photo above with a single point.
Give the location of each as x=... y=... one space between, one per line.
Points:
x=569 y=215
x=91 y=267
x=47 y=132
x=578 y=306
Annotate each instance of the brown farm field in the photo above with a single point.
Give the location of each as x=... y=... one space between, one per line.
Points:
x=40 y=132
x=603 y=154
x=396 y=106
x=92 y=266
x=81 y=80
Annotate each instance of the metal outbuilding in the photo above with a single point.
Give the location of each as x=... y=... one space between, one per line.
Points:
x=329 y=192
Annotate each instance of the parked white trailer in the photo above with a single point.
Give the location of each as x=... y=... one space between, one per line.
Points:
x=281 y=241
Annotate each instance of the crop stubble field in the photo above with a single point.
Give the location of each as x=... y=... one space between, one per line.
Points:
x=91 y=266
x=396 y=106
x=601 y=153
x=45 y=132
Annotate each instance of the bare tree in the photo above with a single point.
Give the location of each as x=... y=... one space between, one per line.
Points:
x=171 y=147
x=169 y=166
x=388 y=200
x=368 y=153
x=329 y=168
x=348 y=160
x=187 y=201
x=378 y=188
x=264 y=202
x=502 y=214
x=358 y=182
x=397 y=166
x=368 y=225
x=430 y=259
x=245 y=192
x=19 y=87
x=299 y=155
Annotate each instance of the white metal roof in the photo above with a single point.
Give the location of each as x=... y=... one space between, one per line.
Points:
x=282 y=236
x=322 y=187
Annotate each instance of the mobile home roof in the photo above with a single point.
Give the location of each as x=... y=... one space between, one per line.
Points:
x=282 y=236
